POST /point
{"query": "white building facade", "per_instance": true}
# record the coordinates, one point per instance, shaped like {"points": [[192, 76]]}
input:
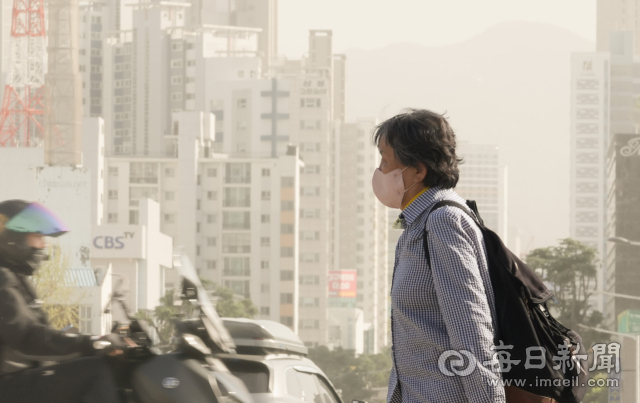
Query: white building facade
{"points": [[484, 180]]}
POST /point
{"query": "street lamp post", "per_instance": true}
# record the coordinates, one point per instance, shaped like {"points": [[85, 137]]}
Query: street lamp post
{"points": [[619, 239]]}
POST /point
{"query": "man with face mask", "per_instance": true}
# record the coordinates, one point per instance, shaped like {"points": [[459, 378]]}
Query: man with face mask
{"points": [[26, 339], [442, 308]]}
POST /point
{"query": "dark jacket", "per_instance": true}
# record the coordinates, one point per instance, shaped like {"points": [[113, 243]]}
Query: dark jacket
{"points": [[25, 335]]}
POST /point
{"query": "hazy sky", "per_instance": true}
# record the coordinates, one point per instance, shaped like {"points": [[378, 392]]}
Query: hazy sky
{"points": [[370, 24]]}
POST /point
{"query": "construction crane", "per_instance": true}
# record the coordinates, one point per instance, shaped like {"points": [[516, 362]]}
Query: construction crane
{"points": [[22, 115], [44, 107]]}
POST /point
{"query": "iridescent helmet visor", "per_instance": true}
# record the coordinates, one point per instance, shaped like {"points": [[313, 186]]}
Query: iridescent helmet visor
{"points": [[36, 218]]}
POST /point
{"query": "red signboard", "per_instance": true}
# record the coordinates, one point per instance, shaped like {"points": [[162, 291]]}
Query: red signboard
{"points": [[342, 284]]}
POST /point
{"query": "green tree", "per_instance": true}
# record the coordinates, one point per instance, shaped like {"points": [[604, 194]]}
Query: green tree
{"points": [[571, 269], [60, 303], [354, 376], [228, 307], [162, 316]]}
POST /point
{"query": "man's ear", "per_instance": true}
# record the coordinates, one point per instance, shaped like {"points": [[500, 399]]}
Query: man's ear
{"points": [[421, 172]]}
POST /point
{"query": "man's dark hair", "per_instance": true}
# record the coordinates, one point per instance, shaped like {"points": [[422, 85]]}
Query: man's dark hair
{"points": [[421, 136]]}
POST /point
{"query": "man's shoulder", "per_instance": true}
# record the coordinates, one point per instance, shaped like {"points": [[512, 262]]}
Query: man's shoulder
{"points": [[7, 278]]}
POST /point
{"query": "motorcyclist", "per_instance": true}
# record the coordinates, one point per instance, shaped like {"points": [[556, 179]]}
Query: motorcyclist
{"points": [[26, 338]]}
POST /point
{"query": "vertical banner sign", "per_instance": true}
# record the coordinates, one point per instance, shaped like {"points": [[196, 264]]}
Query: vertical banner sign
{"points": [[342, 284]]}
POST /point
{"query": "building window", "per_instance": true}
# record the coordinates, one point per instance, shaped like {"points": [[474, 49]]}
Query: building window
{"points": [[169, 218], [310, 235], [176, 63], [212, 172], [112, 218], [211, 195], [265, 195], [309, 302], [286, 228], [310, 147], [264, 310], [264, 264], [176, 80], [239, 287], [310, 102], [266, 172], [238, 173], [236, 220], [309, 280], [265, 241], [265, 287], [169, 172], [286, 251], [237, 197], [265, 218], [309, 257], [286, 298], [310, 213], [168, 196], [286, 205], [133, 217], [587, 187], [309, 324], [211, 264], [287, 181], [286, 275], [237, 266], [144, 172], [310, 191], [211, 218], [286, 320], [211, 241], [113, 195], [242, 103], [587, 202], [311, 169], [176, 96], [176, 46], [236, 243], [113, 171]]}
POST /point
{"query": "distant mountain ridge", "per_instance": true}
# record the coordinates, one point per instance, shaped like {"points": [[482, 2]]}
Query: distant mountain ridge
{"points": [[507, 86]]}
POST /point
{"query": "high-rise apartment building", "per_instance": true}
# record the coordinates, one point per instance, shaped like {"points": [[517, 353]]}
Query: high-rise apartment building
{"points": [[617, 16], [363, 229], [623, 199], [484, 180], [590, 125], [236, 218], [181, 64]]}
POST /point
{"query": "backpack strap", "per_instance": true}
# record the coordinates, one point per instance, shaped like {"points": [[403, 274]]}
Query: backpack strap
{"points": [[471, 205]]}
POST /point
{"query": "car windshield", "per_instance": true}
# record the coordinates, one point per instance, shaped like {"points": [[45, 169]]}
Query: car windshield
{"points": [[254, 374]]}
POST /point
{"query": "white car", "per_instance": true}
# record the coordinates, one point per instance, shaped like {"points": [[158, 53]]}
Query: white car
{"points": [[271, 361]]}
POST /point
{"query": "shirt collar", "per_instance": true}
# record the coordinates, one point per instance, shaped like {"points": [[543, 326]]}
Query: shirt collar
{"points": [[421, 203]]}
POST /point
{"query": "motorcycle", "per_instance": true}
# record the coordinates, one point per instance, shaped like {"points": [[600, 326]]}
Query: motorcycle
{"points": [[188, 371]]}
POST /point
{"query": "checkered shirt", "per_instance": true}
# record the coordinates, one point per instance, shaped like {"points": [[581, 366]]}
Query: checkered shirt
{"points": [[448, 305]]}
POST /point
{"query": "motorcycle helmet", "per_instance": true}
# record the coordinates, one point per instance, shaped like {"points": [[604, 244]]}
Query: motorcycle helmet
{"points": [[18, 218]]}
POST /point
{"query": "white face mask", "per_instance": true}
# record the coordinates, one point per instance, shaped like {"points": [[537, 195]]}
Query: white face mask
{"points": [[389, 187]]}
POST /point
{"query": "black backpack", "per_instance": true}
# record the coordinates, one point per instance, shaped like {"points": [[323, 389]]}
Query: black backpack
{"points": [[524, 321]]}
